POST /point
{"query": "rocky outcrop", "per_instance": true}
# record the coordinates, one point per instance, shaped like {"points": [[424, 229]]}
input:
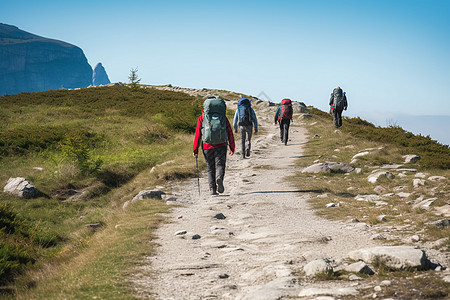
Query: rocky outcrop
{"points": [[21, 187], [99, 77], [31, 63], [397, 257]]}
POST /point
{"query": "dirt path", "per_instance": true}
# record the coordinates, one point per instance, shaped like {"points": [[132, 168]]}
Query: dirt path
{"points": [[268, 235]]}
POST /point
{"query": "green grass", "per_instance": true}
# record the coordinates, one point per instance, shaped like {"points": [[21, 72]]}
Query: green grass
{"points": [[386, 146], [98, 139]]}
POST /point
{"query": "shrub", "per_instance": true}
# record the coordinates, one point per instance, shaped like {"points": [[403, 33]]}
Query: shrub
{"points": [[76, 150]]}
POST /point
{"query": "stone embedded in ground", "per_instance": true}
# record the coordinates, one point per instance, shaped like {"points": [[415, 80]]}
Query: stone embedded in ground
{"points": [[196, 236], [368, 198], [329, 167], [425, 204], [386, 282], [149, 194], [443, 210], [436, 178], [418, 182], [403, 195], [411, 158], [359, 267], [181, 232], [21, 187], [382, 218], [317, 266], [346, 291], [440, 223], [145, 194], [374, 176], [220, 216], [397, 257]]}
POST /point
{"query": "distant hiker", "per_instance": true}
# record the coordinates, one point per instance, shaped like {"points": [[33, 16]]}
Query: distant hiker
{"points": [[338, 102], [245, 117], [283, 115], [213, 131]]}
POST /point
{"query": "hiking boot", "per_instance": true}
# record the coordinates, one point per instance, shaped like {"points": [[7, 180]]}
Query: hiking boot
{"points": [[248, 152], [213, 192], [220, 187]]}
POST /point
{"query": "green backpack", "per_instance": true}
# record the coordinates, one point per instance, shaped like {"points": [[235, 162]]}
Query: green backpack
{"points": [[214, 127]]}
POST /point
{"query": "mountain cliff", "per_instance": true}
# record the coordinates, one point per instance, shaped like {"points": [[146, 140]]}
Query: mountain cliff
{"points": [[100, 77], [31, 63]]}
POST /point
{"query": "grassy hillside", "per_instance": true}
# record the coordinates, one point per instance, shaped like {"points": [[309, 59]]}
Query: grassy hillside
{"points": [[89, 140]]}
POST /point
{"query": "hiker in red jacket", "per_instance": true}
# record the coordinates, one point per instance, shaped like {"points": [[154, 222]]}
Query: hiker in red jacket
{"points": [[215, 152], [283, 115]]}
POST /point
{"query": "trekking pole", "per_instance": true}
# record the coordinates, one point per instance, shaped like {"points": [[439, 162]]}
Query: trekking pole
{"points": [[198, 176]]}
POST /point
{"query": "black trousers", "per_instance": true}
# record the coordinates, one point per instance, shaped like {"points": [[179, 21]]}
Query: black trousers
{"points": [[337, 116], [282, 131], [215, 160]]}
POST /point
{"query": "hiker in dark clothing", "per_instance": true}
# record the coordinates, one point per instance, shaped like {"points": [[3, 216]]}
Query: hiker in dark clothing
{"points": [[283, 116], [338, 102], [215, 152], [245, 117]]}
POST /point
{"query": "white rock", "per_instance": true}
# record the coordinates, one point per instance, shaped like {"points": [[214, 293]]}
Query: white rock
{"points": [[368, 198], [436, 178], [21, 187], [377, 288], [415, 238], [374, 177], [360, 154], [425, 204], [386, 283], [418, 182], [331, 205], [420, 175], [317, 266], [398, 257], [359, 267], [382, 218], [403, 195], [308, 292], [411, 158]]}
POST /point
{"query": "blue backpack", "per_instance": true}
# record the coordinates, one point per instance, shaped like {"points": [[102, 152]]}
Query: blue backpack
{"points": [[244, 112]]}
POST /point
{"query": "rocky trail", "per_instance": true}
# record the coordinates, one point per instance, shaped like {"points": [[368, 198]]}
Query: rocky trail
{"points": [[254, 240]]}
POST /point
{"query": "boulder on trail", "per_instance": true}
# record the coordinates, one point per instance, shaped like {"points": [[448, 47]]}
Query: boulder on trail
{"points": [[329, 167], [397, 257], [21, 187]]}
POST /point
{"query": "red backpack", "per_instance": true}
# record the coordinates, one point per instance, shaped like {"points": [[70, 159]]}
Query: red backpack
{"points": [[286, 109]]}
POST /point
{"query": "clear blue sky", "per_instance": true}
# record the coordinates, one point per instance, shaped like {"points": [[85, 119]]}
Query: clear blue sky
{"points": [[390, 56]]}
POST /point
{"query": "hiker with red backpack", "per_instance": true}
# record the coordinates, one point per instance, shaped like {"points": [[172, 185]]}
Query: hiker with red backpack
{"points": [[245, 117], [338, 103], [283, 116], [214, 133]]}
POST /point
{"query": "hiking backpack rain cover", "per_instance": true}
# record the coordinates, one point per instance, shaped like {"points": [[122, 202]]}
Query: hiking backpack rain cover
{"points": [[244, 112], [286, 109], [214, 127]]}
